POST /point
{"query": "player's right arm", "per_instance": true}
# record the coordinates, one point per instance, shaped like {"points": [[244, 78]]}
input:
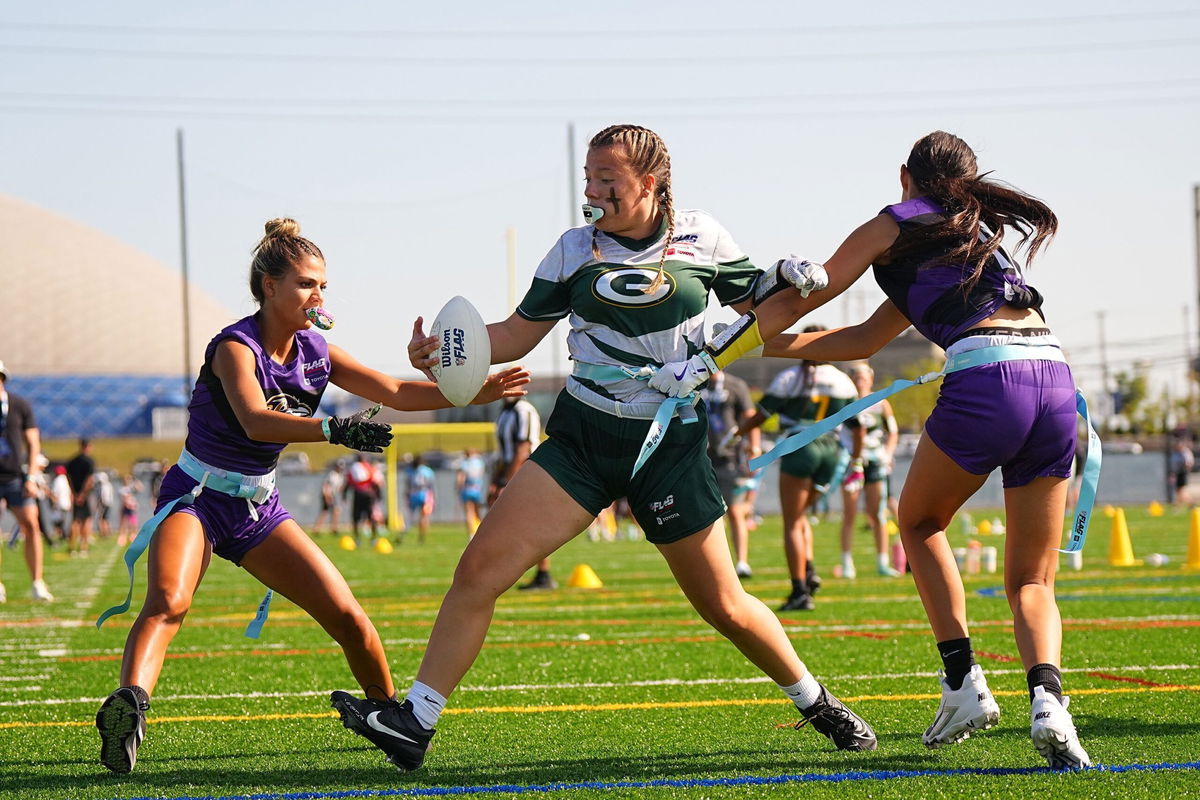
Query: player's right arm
{"points": [[851, 343]]}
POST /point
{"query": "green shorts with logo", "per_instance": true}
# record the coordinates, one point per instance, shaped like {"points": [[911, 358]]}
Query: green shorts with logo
{"points": [[818, 461], [590, 454]]}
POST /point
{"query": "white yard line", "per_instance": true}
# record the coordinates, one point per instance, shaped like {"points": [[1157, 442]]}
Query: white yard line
{"points": [[568, 686]]}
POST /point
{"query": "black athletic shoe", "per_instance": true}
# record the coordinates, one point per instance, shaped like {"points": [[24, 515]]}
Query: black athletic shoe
{"points": [[842, 726], [121, 722], [388, 725], [541, 580], [798, 601], [814, 581]]}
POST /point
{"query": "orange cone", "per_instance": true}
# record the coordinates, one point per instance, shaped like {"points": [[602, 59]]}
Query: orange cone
{"points": [[1193, 553], [1120, 551], [584, 577]]}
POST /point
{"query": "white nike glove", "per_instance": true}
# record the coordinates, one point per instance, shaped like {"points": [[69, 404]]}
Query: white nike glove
{"points": [[681, 378], [807, 276]]}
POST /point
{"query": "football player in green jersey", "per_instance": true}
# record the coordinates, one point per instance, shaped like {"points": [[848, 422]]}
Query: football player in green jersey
{"points": [[635, 283]]}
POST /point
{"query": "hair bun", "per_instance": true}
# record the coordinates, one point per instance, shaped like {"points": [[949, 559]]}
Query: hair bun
{"points": [[282, 227]]}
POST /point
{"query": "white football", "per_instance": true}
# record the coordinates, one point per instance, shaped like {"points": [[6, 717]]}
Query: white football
{"points": [[464, 351]]}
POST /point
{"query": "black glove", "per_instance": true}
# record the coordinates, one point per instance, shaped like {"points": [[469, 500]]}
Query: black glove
{"points": [[357, 433]]}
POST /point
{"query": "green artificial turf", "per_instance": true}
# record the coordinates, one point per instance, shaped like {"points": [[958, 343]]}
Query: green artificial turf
{"points": [[614, 692]]}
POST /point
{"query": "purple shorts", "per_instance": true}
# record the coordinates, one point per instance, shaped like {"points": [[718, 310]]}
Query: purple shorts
{"points": [[1016, 415], [226, 520]]}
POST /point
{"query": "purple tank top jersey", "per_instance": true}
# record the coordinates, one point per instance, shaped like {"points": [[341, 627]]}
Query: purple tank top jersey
{"points": [[927, 288], [214, 434]]}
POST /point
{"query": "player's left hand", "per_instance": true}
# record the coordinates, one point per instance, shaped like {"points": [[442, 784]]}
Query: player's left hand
{"points": [[421, 349], [505, 383], [807, 276], [358, 433], [681, 378]]}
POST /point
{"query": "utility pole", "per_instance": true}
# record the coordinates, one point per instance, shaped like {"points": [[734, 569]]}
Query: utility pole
{"points": [[183, 260], [1107, 406]]}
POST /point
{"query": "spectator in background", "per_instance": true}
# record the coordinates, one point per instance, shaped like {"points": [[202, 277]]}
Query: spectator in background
{"points": [[470, 487], [331, 492], [20, 471], [60, 503], [105, 497], [81, 472], [128, 525], [421, 496], [518, 431], [727, 400], [363, 485], [1182, 461]]}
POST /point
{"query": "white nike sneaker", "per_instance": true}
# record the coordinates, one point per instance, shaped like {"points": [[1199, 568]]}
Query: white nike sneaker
{"points": [[970, 708], [1053, 732], [40, 593]]}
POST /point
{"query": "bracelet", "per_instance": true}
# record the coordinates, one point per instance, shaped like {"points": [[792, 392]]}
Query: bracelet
{"points": [[325, 428]]}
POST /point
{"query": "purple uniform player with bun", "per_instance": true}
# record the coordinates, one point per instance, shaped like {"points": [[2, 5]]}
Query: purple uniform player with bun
{"points": [[938, 258], [259, 388]]}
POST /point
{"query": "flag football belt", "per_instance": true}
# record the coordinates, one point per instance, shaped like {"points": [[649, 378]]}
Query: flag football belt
{"points": [[961, 361], [667, 410], [254, 489]]}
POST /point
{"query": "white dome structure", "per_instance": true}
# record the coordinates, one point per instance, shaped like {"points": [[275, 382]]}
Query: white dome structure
{"points": [[80, 302], [93, 334]]}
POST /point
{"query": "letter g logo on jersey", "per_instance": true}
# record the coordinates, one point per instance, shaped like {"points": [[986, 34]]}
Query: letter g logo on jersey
{"points": [[623, 287]]}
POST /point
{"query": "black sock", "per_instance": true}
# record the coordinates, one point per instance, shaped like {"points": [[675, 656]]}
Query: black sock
{"points": [[799, 587], [957, 660], [1048, 677]]}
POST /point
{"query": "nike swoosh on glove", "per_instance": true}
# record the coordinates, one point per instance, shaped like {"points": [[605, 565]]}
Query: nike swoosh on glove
{"points": [[681, 378]]}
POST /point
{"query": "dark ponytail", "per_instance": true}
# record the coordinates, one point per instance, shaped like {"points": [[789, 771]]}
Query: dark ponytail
{"points": [[943, 167]]}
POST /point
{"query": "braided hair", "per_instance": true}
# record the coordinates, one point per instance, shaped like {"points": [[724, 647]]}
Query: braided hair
{"points": [[280, 247], [647, 155]]}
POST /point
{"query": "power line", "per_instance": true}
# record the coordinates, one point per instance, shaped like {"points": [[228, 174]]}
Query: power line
{"points": [[587, 110], [557, 103], [492, 61], [975, 25]]}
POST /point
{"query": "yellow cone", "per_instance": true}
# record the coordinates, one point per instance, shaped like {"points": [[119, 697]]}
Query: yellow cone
{"points": [[1120, 551], [383, 546], [892, 527], [985, 527], [584, 577], [347, 543], [1110, 512], [1193, 554], [1156, 509]]}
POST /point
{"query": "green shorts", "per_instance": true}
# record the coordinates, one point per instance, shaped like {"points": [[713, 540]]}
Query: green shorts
{"points": [[873, 472], [818, 461], [590, 454]]}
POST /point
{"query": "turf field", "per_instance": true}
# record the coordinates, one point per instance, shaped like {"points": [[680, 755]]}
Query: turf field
{"points": [[613, 692]]}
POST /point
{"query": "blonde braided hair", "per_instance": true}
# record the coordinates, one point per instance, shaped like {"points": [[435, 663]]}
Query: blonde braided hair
{"points": [[647, 155], [280, 247]]}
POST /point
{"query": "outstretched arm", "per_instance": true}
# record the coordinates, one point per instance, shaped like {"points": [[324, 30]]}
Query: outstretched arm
{"points": [[848, 263], [363, 381], [842, 344]]}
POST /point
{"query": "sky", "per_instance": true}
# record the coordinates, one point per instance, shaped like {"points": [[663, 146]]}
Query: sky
{"points": [[410, 139]]}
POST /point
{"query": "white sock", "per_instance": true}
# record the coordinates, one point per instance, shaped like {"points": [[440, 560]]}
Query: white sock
{"points": [[804, 692], [847, 559], [427, 704], [883, 560]]}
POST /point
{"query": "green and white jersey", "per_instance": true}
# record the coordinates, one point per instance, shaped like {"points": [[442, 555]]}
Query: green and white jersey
{"points": [[613, 323], [879, 426], [805, 394]]}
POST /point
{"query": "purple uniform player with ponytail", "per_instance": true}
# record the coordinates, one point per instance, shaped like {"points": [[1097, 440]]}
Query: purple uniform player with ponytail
{"points": [[937, 256], [259, 388]]}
